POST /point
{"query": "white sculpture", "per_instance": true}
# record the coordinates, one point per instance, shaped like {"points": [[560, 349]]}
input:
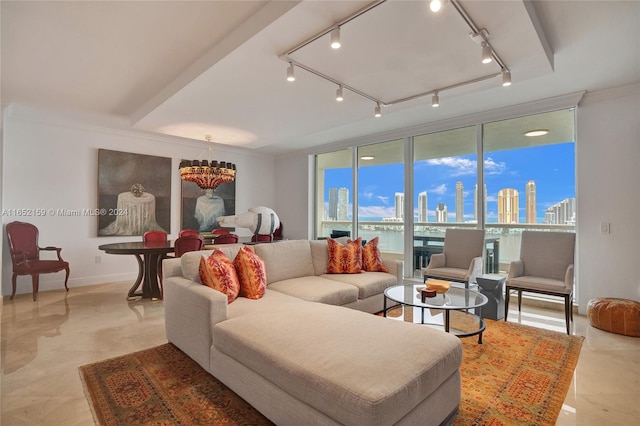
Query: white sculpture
{"points": [[260, 220]]}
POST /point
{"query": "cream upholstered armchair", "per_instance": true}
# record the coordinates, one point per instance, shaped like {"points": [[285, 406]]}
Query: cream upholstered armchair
{"points": [[545, 267], [461, 260]]}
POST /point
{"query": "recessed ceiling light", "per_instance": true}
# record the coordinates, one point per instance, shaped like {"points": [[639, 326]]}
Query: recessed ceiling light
{"points": [[537, 132], [367, 157]]}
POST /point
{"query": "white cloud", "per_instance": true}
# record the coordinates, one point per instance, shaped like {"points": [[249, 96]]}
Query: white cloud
{"points": [[368, 195], [440, 189], [492, 167], [459, 166], [383, 199]]}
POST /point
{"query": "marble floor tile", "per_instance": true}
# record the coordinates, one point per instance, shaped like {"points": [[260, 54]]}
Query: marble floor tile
{"points": [[43, 343]]}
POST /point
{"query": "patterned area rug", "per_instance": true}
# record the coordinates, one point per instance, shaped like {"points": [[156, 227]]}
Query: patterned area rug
{"points": [[519, 375]]}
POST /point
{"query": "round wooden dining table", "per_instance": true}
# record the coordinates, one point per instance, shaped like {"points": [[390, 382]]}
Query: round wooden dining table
{"points": [[148, 254]]}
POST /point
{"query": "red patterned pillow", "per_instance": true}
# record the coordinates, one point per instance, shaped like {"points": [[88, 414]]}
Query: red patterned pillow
{"points": [[344, 259], [251, 273], [371, 257], [218, 272]]}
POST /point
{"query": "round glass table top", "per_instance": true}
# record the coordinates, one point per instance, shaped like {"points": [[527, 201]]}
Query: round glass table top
{"points": [[454, 298]]}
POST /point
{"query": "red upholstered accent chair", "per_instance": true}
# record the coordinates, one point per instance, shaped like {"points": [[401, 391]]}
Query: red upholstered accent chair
{"points": [[225, 239], [25, 256], [154, 237], [185, 232], [262, 238], [220, 231]]}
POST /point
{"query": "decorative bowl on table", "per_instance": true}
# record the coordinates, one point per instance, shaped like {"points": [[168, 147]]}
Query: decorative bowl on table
{"points": [[440, 286]]}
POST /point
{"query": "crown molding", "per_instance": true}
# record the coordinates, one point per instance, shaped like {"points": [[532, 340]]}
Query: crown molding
{"points": [[611, 93]]}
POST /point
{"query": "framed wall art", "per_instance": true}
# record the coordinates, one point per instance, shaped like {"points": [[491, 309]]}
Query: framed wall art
{"points": [[134, 193], [201, 207]]}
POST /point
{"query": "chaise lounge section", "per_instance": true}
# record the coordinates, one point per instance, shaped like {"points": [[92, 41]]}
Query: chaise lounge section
{"points": [[300, 357]]}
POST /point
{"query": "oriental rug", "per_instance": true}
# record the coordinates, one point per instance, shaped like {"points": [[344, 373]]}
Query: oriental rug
{"points": [[520, 375]]}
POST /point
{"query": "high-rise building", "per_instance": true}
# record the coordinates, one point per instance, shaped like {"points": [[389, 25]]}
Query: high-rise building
{"points": [[338, 204], [562, 213], [422, 207], [332, 214], [459, 202], [475, 203], [508, 204], [441, 213], [343, 204], [399, 205], [530, 202]]}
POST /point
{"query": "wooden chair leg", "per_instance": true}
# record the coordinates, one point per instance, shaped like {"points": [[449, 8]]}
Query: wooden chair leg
{"points": [[567, 313], [519, 300], [506, 303], [13, 285], [66, 278], [35, 283]]}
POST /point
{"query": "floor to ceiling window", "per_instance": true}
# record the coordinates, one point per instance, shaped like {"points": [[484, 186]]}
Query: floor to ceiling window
{"points": [[529, 175], [527, 181], [381, 195], [334, 192], [444, 183]]}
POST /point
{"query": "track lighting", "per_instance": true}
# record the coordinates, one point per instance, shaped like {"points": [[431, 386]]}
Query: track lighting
{"points": [[339, 97], [486, 53], [290, 76], [435, 100], [335, 38], [376, 112], [506, 78], [435, 5]]}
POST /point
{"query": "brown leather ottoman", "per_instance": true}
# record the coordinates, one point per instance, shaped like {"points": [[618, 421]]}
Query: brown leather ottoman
{"points": [[620, 316]]}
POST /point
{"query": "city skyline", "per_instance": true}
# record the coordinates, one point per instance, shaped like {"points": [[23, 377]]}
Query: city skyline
{"points": [[551, 168]]}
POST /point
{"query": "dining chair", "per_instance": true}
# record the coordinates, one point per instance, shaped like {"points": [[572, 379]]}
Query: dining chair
{"points": [[461, 259], [261, 238], [220, 231], [185, 232], [226, 239], [154, 237], [187, 243], [277, 234], [545, 267], [25, 256]]}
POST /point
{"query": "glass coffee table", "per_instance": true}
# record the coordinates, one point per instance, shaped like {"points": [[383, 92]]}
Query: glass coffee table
{"points": [[461, 308]]}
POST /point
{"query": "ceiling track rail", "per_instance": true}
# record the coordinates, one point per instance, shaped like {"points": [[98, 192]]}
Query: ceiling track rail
{"points": [[475, 32]]}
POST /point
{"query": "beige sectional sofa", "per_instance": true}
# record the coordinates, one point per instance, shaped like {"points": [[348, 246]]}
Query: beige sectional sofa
{"points": [[299, 357]]}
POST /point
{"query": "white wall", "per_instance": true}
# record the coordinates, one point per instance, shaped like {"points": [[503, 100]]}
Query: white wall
{"points": [[608, 190], [292, 195], [51, 161]]}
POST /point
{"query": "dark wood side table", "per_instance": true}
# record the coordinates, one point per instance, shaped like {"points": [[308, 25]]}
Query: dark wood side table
{"points": [[147, 254]]}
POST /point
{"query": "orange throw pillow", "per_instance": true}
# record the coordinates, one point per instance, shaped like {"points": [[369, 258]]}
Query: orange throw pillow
{"points": [[344, 259], [251, 273], [218, 272], [371, 260]]}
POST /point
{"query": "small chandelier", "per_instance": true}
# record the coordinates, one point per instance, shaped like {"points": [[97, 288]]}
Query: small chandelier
{"points": [[207, 174]]}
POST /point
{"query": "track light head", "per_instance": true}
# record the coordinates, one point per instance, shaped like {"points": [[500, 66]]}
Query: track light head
{"points": [[339, 96], [376, 112], [290, 75], [506, 78], [435, 5], [435, 100], [486, 53], [335, 38]]}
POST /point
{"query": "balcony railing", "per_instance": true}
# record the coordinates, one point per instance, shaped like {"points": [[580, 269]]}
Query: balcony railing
{"points": [[503, 240]]}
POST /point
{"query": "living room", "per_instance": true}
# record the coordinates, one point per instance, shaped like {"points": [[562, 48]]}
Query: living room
{"points": [[50, 149]]}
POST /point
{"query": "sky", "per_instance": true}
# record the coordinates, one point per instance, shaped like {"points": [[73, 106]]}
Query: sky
{"points": [[551, 167]]}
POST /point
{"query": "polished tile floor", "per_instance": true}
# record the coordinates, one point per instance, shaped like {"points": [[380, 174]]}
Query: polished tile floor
{"points": [[44, 343]]}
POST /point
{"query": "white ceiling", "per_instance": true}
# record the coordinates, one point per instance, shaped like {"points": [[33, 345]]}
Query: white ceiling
{"points": [[190, 68]]}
